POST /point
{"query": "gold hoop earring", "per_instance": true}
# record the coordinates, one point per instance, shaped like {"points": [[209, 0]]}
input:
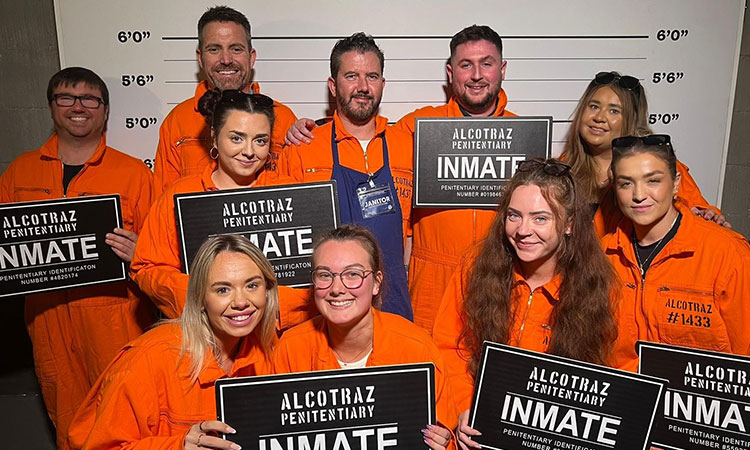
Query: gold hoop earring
{"points": [[211, 152]]}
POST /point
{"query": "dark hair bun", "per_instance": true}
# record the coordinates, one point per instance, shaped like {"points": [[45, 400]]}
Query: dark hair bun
{"points": [[207, 103]]}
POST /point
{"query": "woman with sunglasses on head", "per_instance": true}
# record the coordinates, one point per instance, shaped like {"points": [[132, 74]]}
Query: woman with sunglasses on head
{"points": [[615, 105], [539, 281], [351, 331], [158, 392], [686, 280], [241, 131]]}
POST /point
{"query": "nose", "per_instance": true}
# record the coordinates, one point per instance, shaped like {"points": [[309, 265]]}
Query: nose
{"points": [[240, 301], [362, 85], [476, 73], [639, 192], [524, 227], [337, 287], [226, 57], [78, 104], [600, 116]]}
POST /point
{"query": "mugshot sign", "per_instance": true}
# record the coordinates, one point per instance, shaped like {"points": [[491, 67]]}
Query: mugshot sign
{"points": [[57, 244], [369, 408], [707, 403], [524, 399], [280, 220], [465, 162]]}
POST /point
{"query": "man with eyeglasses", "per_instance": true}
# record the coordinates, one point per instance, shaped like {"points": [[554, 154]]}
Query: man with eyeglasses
{"points": [[75, 332], [226, 57]]}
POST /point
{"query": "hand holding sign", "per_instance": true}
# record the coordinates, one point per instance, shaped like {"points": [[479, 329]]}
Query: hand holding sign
{"points": [[203, 436], [464, 432], [122, 242]]}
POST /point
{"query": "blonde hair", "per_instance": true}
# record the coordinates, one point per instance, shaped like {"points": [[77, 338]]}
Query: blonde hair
{"points": [[197, 334]]}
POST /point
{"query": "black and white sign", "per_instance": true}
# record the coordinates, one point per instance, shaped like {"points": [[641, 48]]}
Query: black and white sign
{"points": [[57, 244], [370, 408], [524, 399], [465, 162], [707, 403], [281, 220]]}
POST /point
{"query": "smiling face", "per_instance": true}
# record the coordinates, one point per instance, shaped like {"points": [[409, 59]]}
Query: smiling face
{"points": [[645, 189], [358, 86], [243, 144], [225, 57], [531, 228], [340, 306], [77, 121], [476, 73], [601, 120], [235, 297]]}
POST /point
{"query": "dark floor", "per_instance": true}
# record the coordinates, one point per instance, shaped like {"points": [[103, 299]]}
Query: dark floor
{"points": [[24, 423]]}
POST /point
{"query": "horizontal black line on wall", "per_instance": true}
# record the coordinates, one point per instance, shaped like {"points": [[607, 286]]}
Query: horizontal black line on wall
{"points": [[532, 37], [551, 58]]}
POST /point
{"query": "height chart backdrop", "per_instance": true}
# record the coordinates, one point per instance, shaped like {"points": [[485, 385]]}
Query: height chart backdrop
{"points": [[685, 52]]}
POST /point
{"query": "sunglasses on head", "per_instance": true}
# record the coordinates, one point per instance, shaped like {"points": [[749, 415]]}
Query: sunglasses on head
{"points": [[233, 95], [651, 139], [624, 81], [553, 168]]}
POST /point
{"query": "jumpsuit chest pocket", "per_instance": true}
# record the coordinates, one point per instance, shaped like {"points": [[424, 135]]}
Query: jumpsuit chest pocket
{"points": [[29, 194], [688, 316], [194, 154]]}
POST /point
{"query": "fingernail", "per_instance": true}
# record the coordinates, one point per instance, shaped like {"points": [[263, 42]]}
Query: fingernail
{"points": [[231, 430], [424, 430], [235, 447]]}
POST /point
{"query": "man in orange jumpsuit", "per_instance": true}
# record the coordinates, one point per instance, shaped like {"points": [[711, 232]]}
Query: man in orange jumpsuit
{"points": [[440, 236], [75, 332], [226, 57], [371, 162]]}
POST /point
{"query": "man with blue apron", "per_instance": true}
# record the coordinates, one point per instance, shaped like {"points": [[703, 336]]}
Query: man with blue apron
{"points": [[345, 149]]}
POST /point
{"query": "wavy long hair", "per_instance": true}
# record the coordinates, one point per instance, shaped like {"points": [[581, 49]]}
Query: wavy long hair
{"points": [[583, 323], [197, 335], [576, 152]]}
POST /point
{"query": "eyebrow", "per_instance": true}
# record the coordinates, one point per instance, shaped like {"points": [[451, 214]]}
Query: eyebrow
{"points": [[350, 266], [532, 213], [227, 283]]}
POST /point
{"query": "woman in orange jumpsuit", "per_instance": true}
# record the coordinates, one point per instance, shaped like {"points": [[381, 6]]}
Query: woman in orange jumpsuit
{"points": [[615, 105], [685, 280], [159, 390], [241, 129], [540, 281], [352, 332]]}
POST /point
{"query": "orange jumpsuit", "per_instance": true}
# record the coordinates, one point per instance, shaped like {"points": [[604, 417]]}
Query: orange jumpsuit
{"points": [[185, 140], [441, 236], [156, 263], [696, 293], [531, 329], [76, 332], [314, 161], [395, 340], [145, 400], [608, 214]]}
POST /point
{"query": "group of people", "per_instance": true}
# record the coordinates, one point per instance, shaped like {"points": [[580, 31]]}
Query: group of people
{"points": [[584, 255]]}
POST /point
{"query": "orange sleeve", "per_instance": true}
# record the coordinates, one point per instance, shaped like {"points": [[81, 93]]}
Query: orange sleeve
{"points": [[406, 123], [689, 191], [7, 182], [145, 197], [121, 409], [156, 263], [167, 159], [295, 306], [733, 299], [446, 333]]}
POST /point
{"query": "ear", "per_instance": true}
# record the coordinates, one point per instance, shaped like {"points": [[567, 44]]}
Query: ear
{"points": [[198, 57], [503, 66], [677, 180], [253, 55], [378, 277], [332, 86], [449, 72]]}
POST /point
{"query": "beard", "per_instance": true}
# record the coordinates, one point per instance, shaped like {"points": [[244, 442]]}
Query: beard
{"points": [[238, 81], [359, 112], [478, 104]]}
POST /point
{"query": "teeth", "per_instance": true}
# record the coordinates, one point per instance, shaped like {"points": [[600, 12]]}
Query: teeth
{"points": [[78, 119], [341, 303], [240, 318]]}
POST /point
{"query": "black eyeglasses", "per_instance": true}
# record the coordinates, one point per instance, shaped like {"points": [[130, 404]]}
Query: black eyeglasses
{"points": [[351, 278], [624, 81], [554, 168], [87, 101], [651, 139], [234, 95]]}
